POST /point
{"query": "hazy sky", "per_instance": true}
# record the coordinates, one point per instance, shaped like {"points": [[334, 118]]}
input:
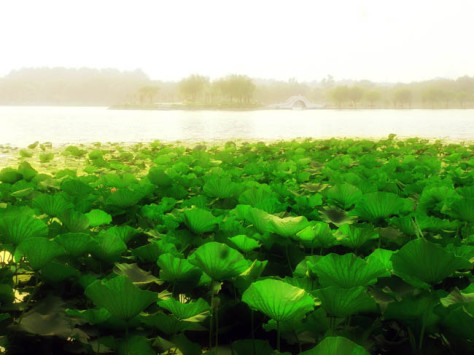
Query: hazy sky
{"points": [[378, 40]]}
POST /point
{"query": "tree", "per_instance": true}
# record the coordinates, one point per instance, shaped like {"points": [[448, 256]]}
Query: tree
{"points": [[239, 88], [373, 96], [402, 97], [356, 93], [147, 94], [340, 95], [192, 88]]}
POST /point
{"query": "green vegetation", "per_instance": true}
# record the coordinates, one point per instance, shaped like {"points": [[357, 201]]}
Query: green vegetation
{"points": [[312, 247]]}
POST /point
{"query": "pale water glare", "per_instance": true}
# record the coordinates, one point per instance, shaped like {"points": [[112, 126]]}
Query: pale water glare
{"points": [[21, 126]]}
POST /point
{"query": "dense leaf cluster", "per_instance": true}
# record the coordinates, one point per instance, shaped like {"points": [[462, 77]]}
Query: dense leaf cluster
{"points": [[318, 246]]}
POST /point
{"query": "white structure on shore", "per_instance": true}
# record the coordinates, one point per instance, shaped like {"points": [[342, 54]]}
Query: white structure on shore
{"points": [[298, 102]]}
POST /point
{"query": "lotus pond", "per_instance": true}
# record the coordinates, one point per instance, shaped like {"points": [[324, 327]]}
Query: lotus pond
{"points": [[312, 247]]}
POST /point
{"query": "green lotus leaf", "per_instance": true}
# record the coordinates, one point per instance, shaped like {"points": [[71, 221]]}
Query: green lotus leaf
{"points": [[252, 347], [278, 300], [413, 309], [463, 209], [174, 269], [158, 177], [124, 233], [200, 221], [422, 263], [261, 198], [98, 218], [120, 297], [151, 251], [194, 311], [288, 226], [55, 272], [92, 316], [317, 235], [76, 188], [40, 251], [221, 187], [260, 219], [354, 237], [336, 345], [168, 324], [135, 344], [123, 198], [382, 257], [10, 176], [74, 221], [376, 206], [343, 302], [460, 321], [27, 171], [75, 244], [434, 198], [16, 228], [346, 271], [109, 247], [458, 297], [137, 275], [255, 270], [22, 193], [244, 243], [219, 261], [344, 195], [52, 205]]}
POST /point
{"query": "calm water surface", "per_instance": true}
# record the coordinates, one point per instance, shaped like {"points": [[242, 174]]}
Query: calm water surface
{"points": [[20, 126]]}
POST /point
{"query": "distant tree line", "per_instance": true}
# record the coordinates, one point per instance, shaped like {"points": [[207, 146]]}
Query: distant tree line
{"points": [[61, 86]]}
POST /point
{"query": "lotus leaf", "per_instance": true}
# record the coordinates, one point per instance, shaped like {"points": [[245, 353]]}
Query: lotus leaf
{"points": [[336, 345], [354, 237], [168, 324], [137, 275], [376, 206], [200, 221], [336, 216], [55, 272], [76, 188], [98, 218], [464, 209], [219, 261], [135, 344], [40, 251], [288, 226], [159, 177], [74, 221], [52, 205], [252, 347], [151, 251], [460, 321], [317, 235], [221, 187], [174, 269], [92, 316], [120, 297], [191, 311], [344, 195], [124, 233], [123, 198], [17, 228], [346, 271], [261, 198], [343, 302], [278, 300], [75, 244], [244, 243], [109, 247], [422, 263], [10, 176]]}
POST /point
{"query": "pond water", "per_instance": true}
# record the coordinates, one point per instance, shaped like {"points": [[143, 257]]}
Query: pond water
{"points": [[20, 126]]}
